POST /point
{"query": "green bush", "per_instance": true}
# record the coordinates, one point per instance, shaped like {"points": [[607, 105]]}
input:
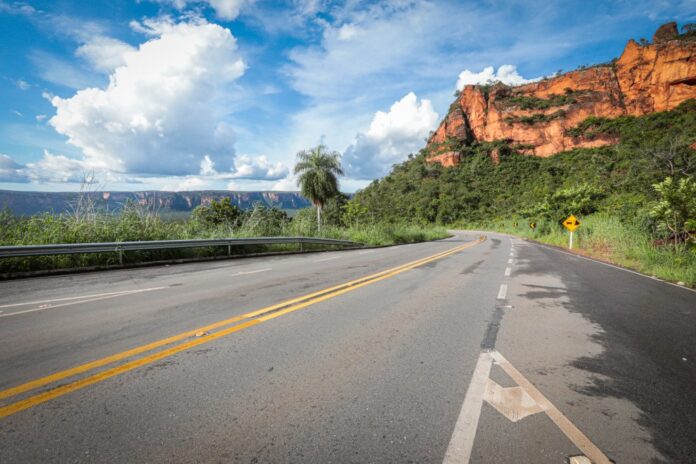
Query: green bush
{"points": [[218, 212], [529, 102], [536, 118], [675, 209], [579, 200]]}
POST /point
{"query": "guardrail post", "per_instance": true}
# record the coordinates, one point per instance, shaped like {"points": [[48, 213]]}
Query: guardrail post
{"points": [[229, 250], [301, 245], [120, 255]]}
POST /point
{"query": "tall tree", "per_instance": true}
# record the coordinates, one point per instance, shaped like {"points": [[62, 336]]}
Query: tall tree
{"points": [[318, 170]]}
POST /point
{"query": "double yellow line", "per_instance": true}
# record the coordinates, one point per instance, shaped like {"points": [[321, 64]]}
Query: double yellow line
{"points": [[235, 325]]}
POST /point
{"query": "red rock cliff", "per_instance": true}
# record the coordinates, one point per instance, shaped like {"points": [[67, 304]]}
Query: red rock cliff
{"points": [[535, 117]]}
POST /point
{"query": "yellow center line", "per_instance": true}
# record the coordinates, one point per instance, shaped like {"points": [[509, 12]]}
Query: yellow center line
{"points": [[166, 341], [261, 315]]}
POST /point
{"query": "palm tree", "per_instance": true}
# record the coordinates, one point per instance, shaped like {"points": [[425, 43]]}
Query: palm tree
{"points": [[318, 170]]}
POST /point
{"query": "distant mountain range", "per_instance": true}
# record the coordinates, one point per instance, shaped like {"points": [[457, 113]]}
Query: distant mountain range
{"points": [[29, 203]]}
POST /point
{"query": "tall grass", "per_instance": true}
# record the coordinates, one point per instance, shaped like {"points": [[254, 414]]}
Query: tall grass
{"points": [[608, 238], [139, 224]]}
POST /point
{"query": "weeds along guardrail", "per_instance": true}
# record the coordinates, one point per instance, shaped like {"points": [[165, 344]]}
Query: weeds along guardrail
{"points": [[121, 247]]}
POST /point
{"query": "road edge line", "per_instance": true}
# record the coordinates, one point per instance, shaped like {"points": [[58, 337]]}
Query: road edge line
{"points": [[588, 258]]}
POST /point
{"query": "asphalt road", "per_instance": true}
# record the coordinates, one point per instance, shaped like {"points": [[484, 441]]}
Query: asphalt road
{"points": [[490, 350]]}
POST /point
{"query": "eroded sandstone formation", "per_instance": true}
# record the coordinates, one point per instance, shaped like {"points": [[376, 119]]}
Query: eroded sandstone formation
{"points": [[537, 118]]}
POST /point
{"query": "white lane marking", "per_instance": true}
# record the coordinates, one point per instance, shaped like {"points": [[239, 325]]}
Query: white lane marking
{"points": [[578, 438], [326, 259], [502, 292], [507, 271], [614, 266], [49, 306], [366, 252], [96, 295], [510, 261], [462, 442], [252, 272]]}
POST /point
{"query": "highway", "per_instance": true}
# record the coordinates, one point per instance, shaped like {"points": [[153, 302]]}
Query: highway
{"points": [[479, 348]]}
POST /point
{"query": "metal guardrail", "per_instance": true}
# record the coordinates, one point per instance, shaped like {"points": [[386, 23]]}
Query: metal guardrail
{"points": [[120, 247]]}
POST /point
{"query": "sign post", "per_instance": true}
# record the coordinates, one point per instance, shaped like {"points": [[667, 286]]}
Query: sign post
{"points": [[571, 223]]}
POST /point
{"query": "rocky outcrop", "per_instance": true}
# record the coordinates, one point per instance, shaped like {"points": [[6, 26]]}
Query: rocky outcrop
{"points": [[537, 118], [447, 159], [657, 77]]}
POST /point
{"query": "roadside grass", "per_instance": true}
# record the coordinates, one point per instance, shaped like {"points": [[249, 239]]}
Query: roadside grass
{"points": [[386, 234], [607, 238], [141, 225]]}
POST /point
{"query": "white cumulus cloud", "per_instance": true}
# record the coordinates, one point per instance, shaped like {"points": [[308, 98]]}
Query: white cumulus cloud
{"points": [[246, 167], [390, 138], [507, 74], [224, 9], [104, 53], [228, 9], [57, 168], [163, 110]]}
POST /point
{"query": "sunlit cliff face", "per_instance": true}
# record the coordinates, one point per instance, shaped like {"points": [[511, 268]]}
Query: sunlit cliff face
{"points": [[536, 118]]}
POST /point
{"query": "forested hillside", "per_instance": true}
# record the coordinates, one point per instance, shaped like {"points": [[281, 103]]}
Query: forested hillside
{"points": [[616, 179]]}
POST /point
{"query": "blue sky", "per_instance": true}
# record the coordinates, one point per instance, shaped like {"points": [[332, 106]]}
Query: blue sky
{"points": [[221, 94]]}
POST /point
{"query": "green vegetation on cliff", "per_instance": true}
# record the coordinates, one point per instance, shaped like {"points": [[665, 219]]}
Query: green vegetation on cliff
{"points": [[530, 102], [614, 182]]}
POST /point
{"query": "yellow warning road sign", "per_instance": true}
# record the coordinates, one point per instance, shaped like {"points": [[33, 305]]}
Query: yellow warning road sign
{"points": [[571, 223], [532, 225]]}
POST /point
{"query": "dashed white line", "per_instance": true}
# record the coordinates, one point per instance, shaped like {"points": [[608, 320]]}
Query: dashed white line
{"points": [[366, 252], [510, 261], [587, 258], [502, 292], [507, 271]]}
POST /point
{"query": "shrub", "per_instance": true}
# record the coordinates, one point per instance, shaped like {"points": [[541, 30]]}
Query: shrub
{"points": [[222, 212], [675, 209]]}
